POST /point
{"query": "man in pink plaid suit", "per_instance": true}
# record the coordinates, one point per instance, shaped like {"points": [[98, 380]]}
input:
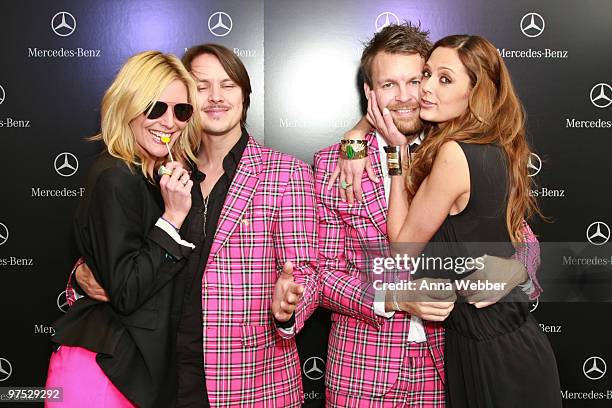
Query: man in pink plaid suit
{"points": [[378, 357], [251, 281]]}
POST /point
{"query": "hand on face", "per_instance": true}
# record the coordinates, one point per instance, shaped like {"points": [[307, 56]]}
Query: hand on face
{"points": [[383, 121]]}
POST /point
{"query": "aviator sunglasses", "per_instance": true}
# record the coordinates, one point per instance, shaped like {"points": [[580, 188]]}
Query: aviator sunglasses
{"points": [[182, 111]]}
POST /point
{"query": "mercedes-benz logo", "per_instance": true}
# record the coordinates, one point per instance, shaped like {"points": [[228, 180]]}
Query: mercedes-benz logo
{"points": [[2, 94], [598, 233], [6, 369], [314, 368], [385, 19], [534, 305], [63, 24], [594, 368], [534, 165], [220, 24], [532, 24], [66, 164], [62, 301], [601, 95], [3, 234]]}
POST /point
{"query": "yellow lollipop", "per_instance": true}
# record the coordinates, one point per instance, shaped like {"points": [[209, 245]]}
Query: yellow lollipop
{"points": [[166, 140]]}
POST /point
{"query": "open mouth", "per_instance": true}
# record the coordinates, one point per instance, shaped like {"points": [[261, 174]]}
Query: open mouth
{"points": [[159, 136]]}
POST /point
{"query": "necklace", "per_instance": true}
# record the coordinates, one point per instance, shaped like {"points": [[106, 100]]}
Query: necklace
{"points": [[205, 213]]}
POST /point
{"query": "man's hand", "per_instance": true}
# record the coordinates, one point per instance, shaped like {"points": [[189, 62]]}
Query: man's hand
{"points": [[496, 270], [286, 295], [383, 122], [431, 299], [432, 311], [89, 284]]}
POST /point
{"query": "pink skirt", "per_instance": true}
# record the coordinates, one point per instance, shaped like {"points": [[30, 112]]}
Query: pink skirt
{"points": [[84, 384]]}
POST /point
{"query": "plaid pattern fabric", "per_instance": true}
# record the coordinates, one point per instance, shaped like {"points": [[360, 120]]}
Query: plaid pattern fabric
{"points": [[269, 217], [70, 292], [529, 255], [418, 386], [367, 354]]}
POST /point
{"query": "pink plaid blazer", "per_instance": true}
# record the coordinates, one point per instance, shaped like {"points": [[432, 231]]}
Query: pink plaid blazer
{"points": [[365, 350], [268, 218]]}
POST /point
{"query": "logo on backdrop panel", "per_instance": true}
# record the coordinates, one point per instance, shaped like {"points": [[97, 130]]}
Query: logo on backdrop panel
{"points": [[598, 233], [601, 95], [4, 234], [63, 24], [62, 302], [2, 94], [594, 368], [534, 305], [6, 369], [534, 165], [220, 24], [314, 368], [532, 25], [385, 19], [66, 164]]}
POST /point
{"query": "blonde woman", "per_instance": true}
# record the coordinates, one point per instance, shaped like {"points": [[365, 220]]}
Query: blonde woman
{"points": [[121, 353]]}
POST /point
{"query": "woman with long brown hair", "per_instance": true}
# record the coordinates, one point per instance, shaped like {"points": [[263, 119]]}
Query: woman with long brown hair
{"points": [[467, 186], [469, 183]]}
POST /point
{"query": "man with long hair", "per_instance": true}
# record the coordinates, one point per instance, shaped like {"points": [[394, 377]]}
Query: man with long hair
{"points": [[252, 276]]}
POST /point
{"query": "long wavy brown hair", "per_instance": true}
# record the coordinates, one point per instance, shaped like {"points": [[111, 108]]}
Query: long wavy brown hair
{"points": [[494, 115]]}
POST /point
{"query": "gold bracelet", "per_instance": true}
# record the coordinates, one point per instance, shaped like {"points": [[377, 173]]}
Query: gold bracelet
{"points": [[394, 160], [353, 149]]}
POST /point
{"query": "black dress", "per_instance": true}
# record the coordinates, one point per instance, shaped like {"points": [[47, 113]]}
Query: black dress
{"points": [[496, 356]]}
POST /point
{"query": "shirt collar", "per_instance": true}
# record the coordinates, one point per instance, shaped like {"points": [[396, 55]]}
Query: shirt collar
{"points": [[382, 142], [230, 161]]}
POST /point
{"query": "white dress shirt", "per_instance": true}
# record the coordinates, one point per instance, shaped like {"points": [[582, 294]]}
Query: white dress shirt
{"points": [[416, 332]]}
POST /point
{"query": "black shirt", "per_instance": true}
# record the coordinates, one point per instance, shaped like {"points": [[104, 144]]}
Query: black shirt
{"points": [[199, 228]]}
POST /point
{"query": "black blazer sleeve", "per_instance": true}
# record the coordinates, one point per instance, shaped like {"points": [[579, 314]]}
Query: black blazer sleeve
{"points": [[131, 258]]}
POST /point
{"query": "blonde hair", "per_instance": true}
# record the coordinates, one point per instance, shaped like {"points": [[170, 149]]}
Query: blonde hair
{"points": [[494, 115], [140, 81]]}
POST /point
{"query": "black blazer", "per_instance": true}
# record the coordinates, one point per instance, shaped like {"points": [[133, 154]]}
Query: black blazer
{"points": [[140, 267]]}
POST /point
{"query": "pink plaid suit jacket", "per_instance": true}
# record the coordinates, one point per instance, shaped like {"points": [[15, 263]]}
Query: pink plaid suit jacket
{"points": [[269, 217], [365, 351]]}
